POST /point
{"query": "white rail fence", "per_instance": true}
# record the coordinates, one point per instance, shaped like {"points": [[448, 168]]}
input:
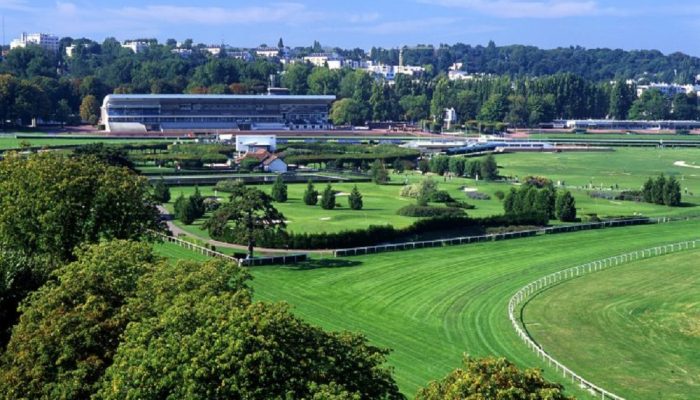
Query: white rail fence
{"points": [[283, 259], [554, 278]]}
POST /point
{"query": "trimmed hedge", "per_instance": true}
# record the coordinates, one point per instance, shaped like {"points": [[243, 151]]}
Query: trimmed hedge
{"points": [[374, 235], [413, 210]]}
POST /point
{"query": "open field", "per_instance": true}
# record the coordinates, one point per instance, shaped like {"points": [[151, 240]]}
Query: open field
{"points": [[641, 321], [613, 136], [433, 305]]}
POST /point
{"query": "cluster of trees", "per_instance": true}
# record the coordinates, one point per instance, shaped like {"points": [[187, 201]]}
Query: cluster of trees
{"points": [[519, 60], [662, 190], [484, 168], [101, 316], [189, 209], [538, 196], [119, 322]]}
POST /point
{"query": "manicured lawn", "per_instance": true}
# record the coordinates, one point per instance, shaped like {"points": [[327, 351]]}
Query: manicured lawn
{"points": [[633, 329], [431, 306]]}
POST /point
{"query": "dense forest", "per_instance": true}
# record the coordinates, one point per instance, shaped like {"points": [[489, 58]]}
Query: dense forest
{"points": [[523, 86]]}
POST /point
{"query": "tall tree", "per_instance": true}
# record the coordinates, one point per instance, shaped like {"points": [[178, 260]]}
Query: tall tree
{"points": [[251, 213], [310, 195], [566, 207], [621, 98], [489, 168], [70, 328], [90, 110], [328, 198], [492, 378], [355, 199], [279, 190]]}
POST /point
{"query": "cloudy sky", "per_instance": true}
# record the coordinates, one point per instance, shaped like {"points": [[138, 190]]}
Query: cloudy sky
{"points": [[667, 25]]}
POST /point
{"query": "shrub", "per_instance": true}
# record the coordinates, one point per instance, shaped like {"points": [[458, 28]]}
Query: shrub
{"points": [[460, 204], [328, 198], [440, 196], [380, 175], [161, 191], [355, 199], [478, 196], [499, 194], [279, 190], [566, 207], [310, 195], [229, 185], [211, 204], [430, 211]]}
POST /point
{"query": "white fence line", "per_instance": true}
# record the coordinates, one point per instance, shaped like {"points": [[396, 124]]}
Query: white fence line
{"points": [[284, 259], [355, 251], [594, 266]]}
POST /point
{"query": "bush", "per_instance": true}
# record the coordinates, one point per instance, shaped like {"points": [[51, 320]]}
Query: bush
{"points": [[440, 196], [478, 196], [566, 207], [310, 195], [161, 192], [211, 204], [430, 211], [460, 204], [355, 199], [279, 190], [229, 186], [499, 194], [328, 198]]}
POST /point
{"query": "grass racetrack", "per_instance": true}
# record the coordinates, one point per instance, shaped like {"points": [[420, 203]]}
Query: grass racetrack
{"points": [[431, 306], [632, 329]]}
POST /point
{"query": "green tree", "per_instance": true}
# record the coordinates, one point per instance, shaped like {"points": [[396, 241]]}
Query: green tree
{"points": [[651, 105], [648, 191], [415, 107], [295, 78], [63, 112], [323, 81], [328, 198], [161, 191], [90, 109], [457, 165], [489, 168], [492, 378], [50, 203], [310, 195], [566, 207], [251, 213], [657, 190], [279, 190], [494, 109], [423, 166], [355, 199], [70, 328], [441, 98], [380, 175], [672, 192], [203, 337], [621, 98], [347, 112], [439, 164]]}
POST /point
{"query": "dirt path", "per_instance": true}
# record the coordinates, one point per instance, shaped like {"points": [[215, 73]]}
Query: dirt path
{"points": [[685, 164]]}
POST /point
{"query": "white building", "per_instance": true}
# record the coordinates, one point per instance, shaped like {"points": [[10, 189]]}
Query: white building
{"points": [[389, 72], [248, 143], [46, 41], [323, 59], [267, 52], [669, 89], [71, 49], [136, 46]]}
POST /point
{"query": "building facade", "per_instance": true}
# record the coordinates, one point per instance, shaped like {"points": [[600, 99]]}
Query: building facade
{"points": [[46, 41], [214, 113]]}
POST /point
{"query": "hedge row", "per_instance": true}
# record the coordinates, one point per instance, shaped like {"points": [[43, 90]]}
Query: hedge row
{"points": [[374, 235], [413, 210]]}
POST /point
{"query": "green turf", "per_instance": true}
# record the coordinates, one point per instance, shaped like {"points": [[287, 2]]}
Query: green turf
{"points": [[633, 329], [433, 305], [172, 251]]}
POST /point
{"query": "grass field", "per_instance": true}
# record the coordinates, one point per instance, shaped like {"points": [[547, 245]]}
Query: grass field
{"points": [[626, 168], [641, 321], [431, 306]]}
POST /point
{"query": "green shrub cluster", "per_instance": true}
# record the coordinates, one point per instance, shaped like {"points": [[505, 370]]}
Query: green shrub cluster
{"points": [[374, 235], [662, 191], [412, 210]]}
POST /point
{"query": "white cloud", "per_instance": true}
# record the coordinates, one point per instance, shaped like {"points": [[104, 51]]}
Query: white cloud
{"points": [[524, 9], [281, 12]]}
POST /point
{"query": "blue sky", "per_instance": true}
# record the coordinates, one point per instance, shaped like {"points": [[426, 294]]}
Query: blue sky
{"points": [[669, 26]]}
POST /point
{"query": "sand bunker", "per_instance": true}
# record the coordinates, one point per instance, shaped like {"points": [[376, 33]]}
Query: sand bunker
{"points": [[685, 164]]}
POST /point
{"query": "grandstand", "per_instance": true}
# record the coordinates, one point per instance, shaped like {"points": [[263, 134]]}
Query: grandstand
{"points": [[143, 113]]}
